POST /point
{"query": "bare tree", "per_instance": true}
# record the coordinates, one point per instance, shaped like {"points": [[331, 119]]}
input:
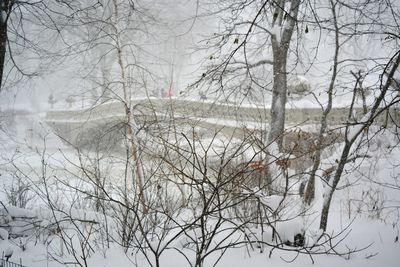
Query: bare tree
{"points": [[20, 23], [6, 7], [114, 39], [342, 34], [310, 188], [354, 131], [285, 22], [266, 30]]}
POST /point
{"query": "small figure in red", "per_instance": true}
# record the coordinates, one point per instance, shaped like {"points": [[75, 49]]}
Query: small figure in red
{"points": [[169, 93]]}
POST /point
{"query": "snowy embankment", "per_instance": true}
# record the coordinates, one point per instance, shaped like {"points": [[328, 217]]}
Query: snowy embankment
{"points": [[364, 217]]}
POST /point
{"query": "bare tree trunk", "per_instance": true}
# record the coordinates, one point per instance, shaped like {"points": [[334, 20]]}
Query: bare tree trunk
{"points": [[309, 193], [279, 90], [280, 48], [131, 123], [336, 179], [5, 7], [132, 138]]}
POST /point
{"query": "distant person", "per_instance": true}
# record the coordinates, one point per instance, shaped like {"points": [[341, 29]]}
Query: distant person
{"points": [[169, 93]]}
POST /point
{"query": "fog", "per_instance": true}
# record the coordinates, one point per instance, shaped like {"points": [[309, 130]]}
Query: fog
{"points": [[168, 49]]}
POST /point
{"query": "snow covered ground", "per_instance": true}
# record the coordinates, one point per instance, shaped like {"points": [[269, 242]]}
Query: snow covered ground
{"points": [[365, 214]]}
